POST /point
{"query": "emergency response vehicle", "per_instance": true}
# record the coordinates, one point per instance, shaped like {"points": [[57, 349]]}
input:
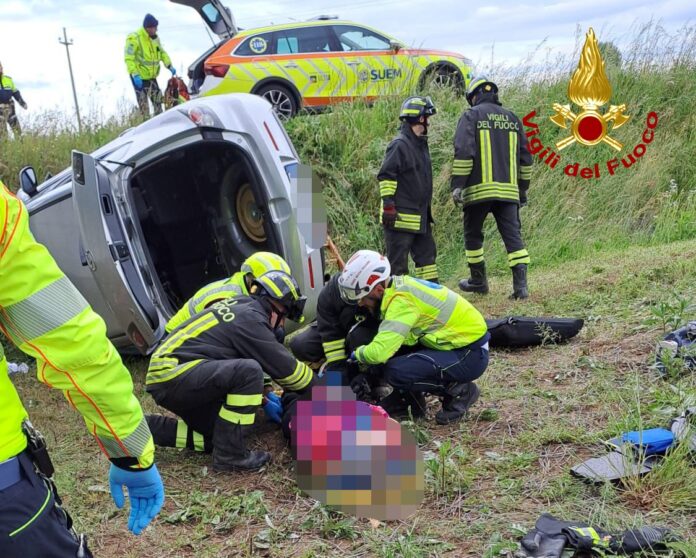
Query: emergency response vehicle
{"points": [[315, 63], [176, 203]]}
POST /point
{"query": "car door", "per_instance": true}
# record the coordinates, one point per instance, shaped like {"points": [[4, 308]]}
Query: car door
{"points": [[372, 64], [107, 254], [217, 17]]}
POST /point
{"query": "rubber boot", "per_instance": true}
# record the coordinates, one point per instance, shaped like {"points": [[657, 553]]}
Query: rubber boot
{"points": [[398, 402], [230, 452], [477, 283], [456, 402], [519, 282]]}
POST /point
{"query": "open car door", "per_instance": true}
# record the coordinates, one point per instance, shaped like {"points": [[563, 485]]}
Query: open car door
{"points": [[107, 254], [216, 16]]}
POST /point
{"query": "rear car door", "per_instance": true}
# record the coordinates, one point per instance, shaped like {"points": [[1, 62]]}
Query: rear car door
{"points": [[105, 251]]}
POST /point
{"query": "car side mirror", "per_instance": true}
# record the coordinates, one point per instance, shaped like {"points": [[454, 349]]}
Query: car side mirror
{"points": [[395, 46], [27, 180]]}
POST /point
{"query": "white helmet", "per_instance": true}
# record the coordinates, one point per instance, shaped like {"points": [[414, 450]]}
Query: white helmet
{"points": [[363, 272]]}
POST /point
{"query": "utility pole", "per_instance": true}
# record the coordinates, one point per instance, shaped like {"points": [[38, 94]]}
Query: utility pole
{"points": [[68, 44]]}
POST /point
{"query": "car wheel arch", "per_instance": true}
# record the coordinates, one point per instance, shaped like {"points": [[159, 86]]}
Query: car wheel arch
{"points": [[282, 82], [441, 65]]}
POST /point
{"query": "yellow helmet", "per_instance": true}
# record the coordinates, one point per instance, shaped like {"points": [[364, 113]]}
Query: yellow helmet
{"points": [[262, 262]]}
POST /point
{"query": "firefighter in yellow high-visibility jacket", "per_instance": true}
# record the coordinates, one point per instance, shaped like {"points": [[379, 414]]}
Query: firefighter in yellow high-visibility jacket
{"points": [[43, 314], [143, 55]]}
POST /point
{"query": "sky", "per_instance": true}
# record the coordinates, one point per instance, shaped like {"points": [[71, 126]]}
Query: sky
{"points": [[501, 32]]}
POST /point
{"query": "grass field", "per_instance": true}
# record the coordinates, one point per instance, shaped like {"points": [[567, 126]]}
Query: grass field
{"points": [[619, 252]]}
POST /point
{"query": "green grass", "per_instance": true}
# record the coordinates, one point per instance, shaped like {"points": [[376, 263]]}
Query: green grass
{"points": [[619, 252]]}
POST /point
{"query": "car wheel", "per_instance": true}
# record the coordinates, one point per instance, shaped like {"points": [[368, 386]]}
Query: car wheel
{"points": [[281, 98], [442, 78], [250, 215]]}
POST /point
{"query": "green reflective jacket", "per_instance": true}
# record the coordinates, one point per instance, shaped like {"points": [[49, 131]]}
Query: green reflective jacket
{"points": [[144, 54], [416, 311], [204, 297], [43, 314]]}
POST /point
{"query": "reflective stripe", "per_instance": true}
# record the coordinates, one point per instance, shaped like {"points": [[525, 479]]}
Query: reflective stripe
{"points": [[197, 326], [328, 345], [427, 272], [166, 374], [474, 256], [486, 163], [299, 379], [444, 307], [387, 188], [519, 257], [513, 156], [235, 400], [199, 303], [292, 288], [135, 443], [236, 418], [396, 327], [45, 310], [462, 167], [199, 441], [525, 172], [35, 516], [491, 190], [181, 434]]}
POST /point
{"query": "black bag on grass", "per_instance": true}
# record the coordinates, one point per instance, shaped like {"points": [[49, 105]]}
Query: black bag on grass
{"points": [[520, 331]]}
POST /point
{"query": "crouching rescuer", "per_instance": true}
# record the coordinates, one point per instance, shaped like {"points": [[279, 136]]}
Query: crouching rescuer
{"points": [[490, 174], [430, 339], [210, 372]]}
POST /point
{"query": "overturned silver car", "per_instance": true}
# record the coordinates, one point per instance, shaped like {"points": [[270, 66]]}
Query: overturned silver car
{"points": [[175, 203]]}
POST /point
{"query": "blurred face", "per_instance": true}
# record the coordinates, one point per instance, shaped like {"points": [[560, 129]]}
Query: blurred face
{"points": [[152, 31], [420, 128]]}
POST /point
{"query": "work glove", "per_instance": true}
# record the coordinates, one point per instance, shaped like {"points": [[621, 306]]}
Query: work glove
{"points": [[389, 214], [273, 407], [145, 490], [523, 199], [361, 386], [537, 544], [645, 538], [352, 359], [172, 70], [138, 82], [457, 196], [23, 105]]}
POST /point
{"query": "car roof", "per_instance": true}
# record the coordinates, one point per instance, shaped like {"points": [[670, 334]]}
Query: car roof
{"points": [[296, 24]]}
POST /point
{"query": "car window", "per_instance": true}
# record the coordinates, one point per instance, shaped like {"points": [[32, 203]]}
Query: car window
{"points": [[256, 45], [303, 40], [352, 38]]}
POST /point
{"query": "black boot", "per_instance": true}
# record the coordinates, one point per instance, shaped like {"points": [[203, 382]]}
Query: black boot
{"points": [[478, 283], [398, 402], [456, 403], [230, 452], [519, 282]]}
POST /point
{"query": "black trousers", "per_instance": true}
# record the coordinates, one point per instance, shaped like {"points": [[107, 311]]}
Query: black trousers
{"points": [[307, 346], [207, 390], [8, 115], [421, 247], [507, 217], [152, 91], [32, 522]]}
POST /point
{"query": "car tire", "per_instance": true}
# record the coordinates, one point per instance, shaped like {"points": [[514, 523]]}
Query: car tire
{"points": [[281, 98], [443, 77]]}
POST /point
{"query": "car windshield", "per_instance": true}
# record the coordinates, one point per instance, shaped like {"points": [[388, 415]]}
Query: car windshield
{"points": [[358, 38]]}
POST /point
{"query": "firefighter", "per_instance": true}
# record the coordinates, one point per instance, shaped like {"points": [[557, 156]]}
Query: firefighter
{"points": [[491, 172], [238, 284], [406, 189], [143, 55], [430, 339], [335, 333], [209, 371], [43, 314], [8, 94]]}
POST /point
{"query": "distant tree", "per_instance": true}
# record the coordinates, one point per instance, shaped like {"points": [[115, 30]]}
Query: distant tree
{"points": [[611, 55]]}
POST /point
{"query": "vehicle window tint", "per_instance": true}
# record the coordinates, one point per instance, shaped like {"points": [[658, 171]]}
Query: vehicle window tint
{"points": [[358, 38], [211, 13], [303, 39], [256, 45]]}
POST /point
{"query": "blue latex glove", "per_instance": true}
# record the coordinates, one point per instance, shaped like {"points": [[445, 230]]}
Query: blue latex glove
{"points": [[352, 358], [146, 493], [138, 82], [172, 70], [273, 407]]}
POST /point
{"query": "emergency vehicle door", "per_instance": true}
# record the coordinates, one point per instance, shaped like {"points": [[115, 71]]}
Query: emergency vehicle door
{"points": [[217, 17], [107, 254]]}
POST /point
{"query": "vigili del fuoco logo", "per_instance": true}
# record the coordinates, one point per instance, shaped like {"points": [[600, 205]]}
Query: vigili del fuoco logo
{"points": [[589, 89]]}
